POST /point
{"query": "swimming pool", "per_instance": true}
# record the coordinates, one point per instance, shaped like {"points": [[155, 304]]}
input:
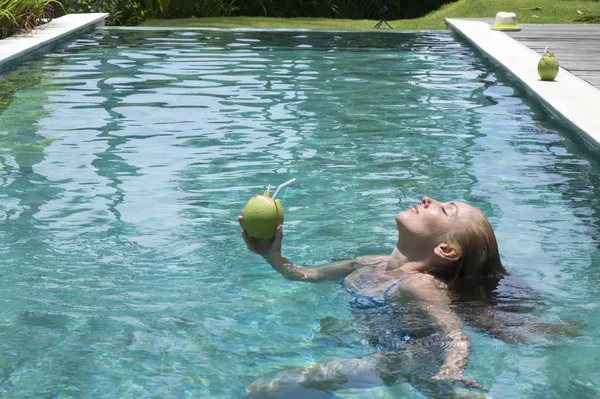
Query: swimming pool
{"points": [[127, 155]]}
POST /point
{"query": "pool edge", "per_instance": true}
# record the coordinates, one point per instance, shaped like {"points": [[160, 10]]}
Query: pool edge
{"points": [[19, 46], [569, 97]]}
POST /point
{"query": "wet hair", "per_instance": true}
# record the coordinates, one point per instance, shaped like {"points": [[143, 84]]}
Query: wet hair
{"points": [[478, 248]]}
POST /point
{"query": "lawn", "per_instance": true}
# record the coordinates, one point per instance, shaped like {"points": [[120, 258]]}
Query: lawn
{"points": [[528, 11]]}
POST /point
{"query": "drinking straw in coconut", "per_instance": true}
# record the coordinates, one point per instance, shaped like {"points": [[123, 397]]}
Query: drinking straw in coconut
{"points": [[281, 186]]}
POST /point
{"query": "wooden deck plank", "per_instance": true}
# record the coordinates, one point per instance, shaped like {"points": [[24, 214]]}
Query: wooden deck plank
{"points": [[561, 39], [577, 46]]}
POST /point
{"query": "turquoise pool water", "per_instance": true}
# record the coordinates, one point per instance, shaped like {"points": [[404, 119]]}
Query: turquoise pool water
{"points": [[127, 155]]}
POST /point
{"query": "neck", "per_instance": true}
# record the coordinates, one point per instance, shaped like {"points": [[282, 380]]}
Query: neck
{"points": [[409, 259]]}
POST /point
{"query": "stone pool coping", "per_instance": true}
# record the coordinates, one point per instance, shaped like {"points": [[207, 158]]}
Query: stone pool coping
{"points": [[575, 101], [20, 45]]}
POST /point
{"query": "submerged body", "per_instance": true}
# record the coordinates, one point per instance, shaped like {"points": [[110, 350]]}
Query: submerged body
{"points": [[388, 319], [402, 303]]}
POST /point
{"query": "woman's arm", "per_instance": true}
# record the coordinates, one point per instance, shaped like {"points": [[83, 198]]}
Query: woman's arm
{"points": [[271, 251], [336, 271], [435, 299]]}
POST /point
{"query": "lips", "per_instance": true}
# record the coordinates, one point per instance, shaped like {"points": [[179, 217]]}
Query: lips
{"points": [[415, 209]]}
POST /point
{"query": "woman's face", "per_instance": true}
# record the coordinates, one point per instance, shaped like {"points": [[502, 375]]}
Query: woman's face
{"points": [[427, 223]]}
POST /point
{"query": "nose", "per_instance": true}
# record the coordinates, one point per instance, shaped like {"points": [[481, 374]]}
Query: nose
{"points": [[426, 202]]}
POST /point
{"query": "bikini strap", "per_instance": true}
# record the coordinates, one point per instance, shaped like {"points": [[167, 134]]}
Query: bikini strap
{"points": [[395, 284]]}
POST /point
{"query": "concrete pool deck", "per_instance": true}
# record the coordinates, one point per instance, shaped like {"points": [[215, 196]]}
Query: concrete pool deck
{"points": [[21, 45], [575, 100]]}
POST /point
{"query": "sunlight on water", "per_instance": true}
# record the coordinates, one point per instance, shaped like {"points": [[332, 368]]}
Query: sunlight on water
{"points": [[126, 157]]}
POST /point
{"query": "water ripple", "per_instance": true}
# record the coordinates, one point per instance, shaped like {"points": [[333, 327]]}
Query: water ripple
{"points": [[126, 157]]}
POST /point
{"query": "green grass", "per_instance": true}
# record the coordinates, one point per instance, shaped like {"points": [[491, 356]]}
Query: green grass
{"points": [[551, 12]]}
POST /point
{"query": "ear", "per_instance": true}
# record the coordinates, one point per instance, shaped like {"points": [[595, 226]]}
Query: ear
{"points": [[447, 252]]}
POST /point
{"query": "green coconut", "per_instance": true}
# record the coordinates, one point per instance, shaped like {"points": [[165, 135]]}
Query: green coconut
{"points": [[548, 67], [261, 216]]}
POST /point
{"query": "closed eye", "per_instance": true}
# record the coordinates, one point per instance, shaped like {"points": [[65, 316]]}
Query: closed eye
{"points": [[444, 210]]}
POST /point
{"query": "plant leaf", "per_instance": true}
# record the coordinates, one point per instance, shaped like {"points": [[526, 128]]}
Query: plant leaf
{"points": [[164, 5]]}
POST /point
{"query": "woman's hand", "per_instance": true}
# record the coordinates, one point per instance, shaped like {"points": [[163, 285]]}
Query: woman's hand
{"points": [[261, 246], [271, 250], [454, 374]]}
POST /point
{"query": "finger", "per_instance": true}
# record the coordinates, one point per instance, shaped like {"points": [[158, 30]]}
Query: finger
{"points": [[247, 240], [278, 235], [278, 238], [244, 234], [474, 384]]}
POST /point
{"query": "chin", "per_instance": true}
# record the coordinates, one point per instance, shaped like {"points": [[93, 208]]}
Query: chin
{"points": [[400, 218]]}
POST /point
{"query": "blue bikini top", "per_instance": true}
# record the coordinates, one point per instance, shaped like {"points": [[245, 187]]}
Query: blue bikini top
{"points": [[368, 302]]}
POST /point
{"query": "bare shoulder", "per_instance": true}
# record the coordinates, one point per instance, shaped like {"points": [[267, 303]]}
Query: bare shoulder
{"points": [[370, 260], [424, 282]]}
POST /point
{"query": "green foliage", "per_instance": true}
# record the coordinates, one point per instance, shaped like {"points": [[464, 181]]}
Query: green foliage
{"points": [[120, 12], [348, 9], [22, 16], [218, 8], [132, 12], [528, 11], [414, 14], [164, 5]]}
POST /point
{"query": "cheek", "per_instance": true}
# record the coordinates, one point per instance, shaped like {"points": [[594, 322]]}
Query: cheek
{"points": [[428, 225]]}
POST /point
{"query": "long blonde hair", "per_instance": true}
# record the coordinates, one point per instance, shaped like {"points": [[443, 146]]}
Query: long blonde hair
{"points": [[478, 248]]}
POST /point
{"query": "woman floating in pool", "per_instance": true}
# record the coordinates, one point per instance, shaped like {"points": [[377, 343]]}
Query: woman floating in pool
{"points": [[405, 300]]}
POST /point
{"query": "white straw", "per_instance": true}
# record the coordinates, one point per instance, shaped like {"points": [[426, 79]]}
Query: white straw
{"points": [[282, 185], [546, 50]]}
